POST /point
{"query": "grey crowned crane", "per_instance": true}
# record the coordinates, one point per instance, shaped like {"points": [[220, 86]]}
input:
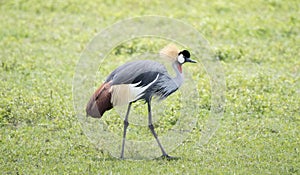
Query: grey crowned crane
{"points": [[139, 80]]}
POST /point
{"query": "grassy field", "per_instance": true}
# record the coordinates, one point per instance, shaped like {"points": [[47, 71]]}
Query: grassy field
{"points": [[258, 43]]}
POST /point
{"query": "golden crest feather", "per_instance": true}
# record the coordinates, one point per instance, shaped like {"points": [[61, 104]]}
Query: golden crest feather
{"points": [[170, 51]]}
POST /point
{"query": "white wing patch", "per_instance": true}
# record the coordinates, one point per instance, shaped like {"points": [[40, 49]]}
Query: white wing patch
{"points": [[122, 94]]}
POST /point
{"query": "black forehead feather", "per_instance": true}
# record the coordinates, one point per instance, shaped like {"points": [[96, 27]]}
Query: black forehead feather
{"points": [[185, 53]]}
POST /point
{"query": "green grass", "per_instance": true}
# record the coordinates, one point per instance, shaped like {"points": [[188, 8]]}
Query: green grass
{"points": [[257, 43]]}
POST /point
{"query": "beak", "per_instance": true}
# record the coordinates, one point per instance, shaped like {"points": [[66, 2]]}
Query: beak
{"points": [[190, 60]]}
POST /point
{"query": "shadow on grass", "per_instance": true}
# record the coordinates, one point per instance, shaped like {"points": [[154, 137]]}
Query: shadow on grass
{"points": [[161, 158]]}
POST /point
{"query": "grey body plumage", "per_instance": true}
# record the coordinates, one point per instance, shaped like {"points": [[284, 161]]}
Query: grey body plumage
{"points": [[139, 80], [142, 73]]}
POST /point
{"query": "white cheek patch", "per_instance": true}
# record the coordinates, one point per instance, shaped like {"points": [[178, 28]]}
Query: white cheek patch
{"points": [[180, 59]]}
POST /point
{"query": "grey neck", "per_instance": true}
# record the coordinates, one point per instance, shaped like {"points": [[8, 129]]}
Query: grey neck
{"points": [[178, 80]]}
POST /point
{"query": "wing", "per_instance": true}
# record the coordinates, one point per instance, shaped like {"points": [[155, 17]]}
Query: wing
{"points": [[128, 72], [130, 81], [125, 93]]}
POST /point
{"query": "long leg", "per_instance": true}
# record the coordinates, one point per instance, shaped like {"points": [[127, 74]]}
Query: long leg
{"points": [[151, 127], [125, 128]]}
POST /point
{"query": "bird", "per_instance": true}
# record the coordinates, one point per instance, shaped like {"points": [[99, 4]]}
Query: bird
{"points": [[139, 80]]}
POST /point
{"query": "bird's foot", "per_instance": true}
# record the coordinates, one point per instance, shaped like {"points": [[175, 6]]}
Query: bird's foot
{"points": [[122, 157], [167, 157]]}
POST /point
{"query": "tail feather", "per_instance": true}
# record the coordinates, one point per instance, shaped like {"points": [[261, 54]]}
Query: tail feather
{"points": [[100, 101]]}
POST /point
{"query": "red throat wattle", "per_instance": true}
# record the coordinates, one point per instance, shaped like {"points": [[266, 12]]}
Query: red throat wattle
{"points": [[179, 68]]}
